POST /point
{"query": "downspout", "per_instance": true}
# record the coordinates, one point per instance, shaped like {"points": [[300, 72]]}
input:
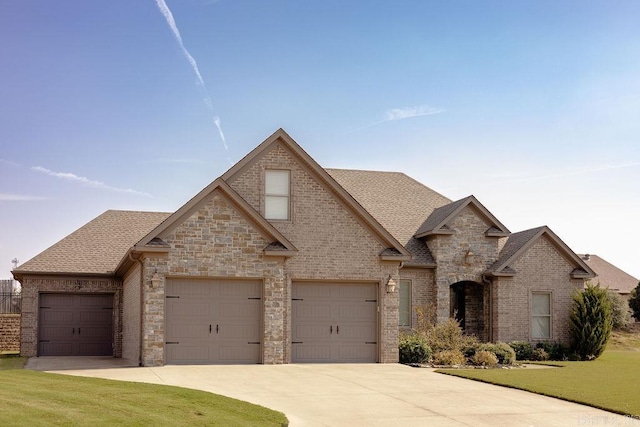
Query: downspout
{"points": [[489, 283], [132, 258]]}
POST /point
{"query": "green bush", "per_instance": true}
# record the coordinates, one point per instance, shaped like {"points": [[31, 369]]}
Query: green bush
{"points": [[505, 354], [414, 349], [446, 335], [449, 358], [555, 350], [620, 310], [634, 302], [484, 358], [539, 354], [590, 322], [522, 349]]}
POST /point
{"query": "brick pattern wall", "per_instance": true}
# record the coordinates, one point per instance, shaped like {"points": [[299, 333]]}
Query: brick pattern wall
{"points": [[32, 286], [217, 241], [131, 314], [450, 253], [9, 333], [422, 289], [333, 244], [541, 269]]}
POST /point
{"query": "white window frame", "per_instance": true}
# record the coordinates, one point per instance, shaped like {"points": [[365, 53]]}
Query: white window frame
{"points": [[405, 283], [549, 295], [273, 196]]}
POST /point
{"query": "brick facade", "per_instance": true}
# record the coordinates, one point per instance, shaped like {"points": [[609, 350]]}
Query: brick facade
{"points": [[9, 333]]}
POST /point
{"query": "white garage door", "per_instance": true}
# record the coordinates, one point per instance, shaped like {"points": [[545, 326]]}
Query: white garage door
{"points": [[334, 323], [213, 321]]}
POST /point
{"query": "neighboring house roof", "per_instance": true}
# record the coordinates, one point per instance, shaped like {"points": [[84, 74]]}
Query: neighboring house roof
{"points": [[95, 248], [610, 276], [437, 223], [398, 202], [518, 243]]}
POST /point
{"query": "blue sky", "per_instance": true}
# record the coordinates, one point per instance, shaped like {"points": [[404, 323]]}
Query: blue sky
{"points": [[533, 107]]}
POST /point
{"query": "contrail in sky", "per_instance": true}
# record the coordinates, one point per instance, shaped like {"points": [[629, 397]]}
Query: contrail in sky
{"points": [[168, 16]]}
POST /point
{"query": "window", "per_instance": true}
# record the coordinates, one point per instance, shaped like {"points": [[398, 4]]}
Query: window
{"points": [[541, 315], [405, 303], [276, 194]]}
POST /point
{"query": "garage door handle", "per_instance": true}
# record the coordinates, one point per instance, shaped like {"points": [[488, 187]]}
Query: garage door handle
{"points": [[78, 331], [209, 328], [217, 328], [73, 331], [331, 329], [338, 330]]}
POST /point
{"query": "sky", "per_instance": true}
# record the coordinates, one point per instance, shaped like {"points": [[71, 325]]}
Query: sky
{"points": [[533, 107]]}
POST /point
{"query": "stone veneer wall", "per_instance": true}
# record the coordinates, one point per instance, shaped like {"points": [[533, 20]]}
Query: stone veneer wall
{"points": [[9, 333], [333, 244], [131, 314], [32, 286], [542, 268], [449, 252], [216, 241]]}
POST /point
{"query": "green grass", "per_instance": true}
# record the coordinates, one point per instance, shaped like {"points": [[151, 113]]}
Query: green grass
{"points": [[29, 398], [612, 382]]}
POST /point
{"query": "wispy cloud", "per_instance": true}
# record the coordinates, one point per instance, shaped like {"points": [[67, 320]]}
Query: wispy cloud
{"points": [[8, 197], [395, 114], [87, 182], [9, 163], [168, 16]]}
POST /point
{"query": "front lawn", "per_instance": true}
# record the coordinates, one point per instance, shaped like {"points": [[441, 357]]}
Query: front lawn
{"points": [[612, 382], [37, 398]]}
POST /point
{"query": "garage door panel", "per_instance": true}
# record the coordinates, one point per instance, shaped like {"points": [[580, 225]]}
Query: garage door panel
{"points": [[334, 322], [223, 318], [75, 325]]}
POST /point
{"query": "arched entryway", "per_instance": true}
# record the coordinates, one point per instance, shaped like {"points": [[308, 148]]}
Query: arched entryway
{"points": [[469, 306]]}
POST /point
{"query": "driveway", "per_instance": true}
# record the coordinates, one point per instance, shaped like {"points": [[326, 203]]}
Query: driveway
{"points": [[357, 395]]}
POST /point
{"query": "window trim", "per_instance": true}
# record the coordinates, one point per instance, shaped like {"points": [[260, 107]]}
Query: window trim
{"points": [[409, 284], [549, 294], [267, 195]]}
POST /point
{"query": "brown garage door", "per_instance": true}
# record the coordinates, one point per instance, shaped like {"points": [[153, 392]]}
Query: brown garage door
{"points": [[75, 325], [213, 321], [334, 323]]}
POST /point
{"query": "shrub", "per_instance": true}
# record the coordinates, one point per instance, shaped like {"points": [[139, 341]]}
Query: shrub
{"points": [[449, 357], [555, 350], [522, 349], [484, 358], [620, 310], [634, 302], [414, 349], [442, 336], [503, 352], [539, 354], [590, 321]]}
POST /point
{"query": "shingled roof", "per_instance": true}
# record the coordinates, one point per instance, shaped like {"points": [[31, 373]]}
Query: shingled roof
{"points": [[398, 202], [97, 247], [608, 275]]}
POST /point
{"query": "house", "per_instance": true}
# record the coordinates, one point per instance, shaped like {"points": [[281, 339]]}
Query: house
{"points": [[610, 276], [282, 261]]}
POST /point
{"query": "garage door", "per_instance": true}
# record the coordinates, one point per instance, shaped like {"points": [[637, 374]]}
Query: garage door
{"points": [[334, 323], [213, 321], [75, 325]]}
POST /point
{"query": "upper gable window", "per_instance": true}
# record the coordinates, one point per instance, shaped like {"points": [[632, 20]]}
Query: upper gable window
{"points": [[276, 194]]}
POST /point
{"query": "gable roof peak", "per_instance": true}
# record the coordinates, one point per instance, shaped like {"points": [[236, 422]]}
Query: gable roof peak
{"points": [[437, 222]]}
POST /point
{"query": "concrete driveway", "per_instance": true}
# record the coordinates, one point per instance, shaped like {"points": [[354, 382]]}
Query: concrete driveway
{"points": [[356, 395]]}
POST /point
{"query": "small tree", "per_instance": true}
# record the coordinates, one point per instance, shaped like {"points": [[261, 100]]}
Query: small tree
{"points": [[590, 322], [620, 312], [634, 302]]}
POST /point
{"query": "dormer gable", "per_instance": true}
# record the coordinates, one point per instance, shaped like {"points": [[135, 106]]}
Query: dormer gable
{"points": [[519, 243], [438, 223]]}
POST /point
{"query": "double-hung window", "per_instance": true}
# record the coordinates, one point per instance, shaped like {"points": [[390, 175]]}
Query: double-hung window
{"points": [[405, 303], [541, 315], [276, 194]]}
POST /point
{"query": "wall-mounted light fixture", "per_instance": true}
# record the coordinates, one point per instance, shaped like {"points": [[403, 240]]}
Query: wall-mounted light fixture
{"points": [[155, 280], [390, 285]]}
